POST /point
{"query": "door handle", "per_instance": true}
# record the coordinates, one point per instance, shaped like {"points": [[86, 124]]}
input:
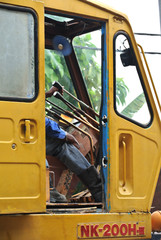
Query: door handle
{"points": [[27, 131], [124, 163]]}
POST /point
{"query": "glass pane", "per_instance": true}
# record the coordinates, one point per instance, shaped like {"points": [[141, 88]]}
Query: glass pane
{"points": [[130, 97], [17, 69], [88, 51], [56, 70]]}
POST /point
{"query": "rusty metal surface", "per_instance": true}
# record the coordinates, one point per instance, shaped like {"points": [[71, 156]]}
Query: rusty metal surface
{"points": [[83, 139], [64, 182]]}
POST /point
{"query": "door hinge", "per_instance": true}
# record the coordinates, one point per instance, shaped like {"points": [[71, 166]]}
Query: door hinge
{"points": [[104, 162], [104, 120]]}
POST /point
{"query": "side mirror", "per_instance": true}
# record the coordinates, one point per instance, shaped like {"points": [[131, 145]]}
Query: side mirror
{"points": [[127, 58]]}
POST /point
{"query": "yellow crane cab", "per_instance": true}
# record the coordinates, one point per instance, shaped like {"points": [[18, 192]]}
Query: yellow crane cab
{"points": [[109, 105]]}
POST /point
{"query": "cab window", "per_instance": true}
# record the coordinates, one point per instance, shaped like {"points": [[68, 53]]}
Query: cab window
{"points": [[130, 98], [17, 43]]}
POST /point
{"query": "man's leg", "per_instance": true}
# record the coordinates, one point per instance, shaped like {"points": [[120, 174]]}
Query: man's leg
{"points": [[68, 154], [77, 163], [73, 158]]}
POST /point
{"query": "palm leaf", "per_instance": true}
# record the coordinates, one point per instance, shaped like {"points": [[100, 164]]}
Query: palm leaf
{"points": [[121, 91], [134, 106]]}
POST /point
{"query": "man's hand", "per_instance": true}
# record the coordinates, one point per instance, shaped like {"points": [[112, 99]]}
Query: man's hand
{"points": [[52, 90], [71, 139]]}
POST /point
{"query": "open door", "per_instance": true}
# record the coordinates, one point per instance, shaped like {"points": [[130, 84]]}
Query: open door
{"points": [[135, 133], [22, 125]]}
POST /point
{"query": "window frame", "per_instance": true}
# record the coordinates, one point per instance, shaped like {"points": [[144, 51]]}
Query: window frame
{"points": [[141, 82], [33, 13]]}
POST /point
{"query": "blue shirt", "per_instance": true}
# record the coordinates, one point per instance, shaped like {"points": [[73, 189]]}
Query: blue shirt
{"points": [[53, 130]]}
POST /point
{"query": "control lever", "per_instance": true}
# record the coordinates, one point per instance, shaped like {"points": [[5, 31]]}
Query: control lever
{"points": [[60, 88]]}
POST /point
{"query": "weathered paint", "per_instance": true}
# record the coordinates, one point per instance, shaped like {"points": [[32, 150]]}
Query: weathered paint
{"points": [[105, 126]]}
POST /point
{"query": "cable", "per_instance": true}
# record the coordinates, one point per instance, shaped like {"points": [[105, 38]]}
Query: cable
{"points": [[149, 34]]}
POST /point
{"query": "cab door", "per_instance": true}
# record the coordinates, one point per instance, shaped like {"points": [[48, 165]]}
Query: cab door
{"points": [[22, 110], [134, 128]]}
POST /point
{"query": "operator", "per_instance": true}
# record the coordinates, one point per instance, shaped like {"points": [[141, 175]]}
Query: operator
{"points": [[65, 147]]}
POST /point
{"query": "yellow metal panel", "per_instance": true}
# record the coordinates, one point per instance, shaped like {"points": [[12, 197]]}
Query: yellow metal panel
{"points": [[83, 7], [22, 139], [76, 226], [143, 146], [76, 7], [27, 173], [6, 136]]}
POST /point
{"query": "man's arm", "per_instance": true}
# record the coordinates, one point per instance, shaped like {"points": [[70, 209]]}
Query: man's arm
{"points": [[53, 130], [71, 139]]}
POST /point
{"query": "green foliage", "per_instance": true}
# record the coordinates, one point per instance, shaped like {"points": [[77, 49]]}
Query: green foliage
{"points": [[134, 106], [90, 68], [121, 91], [56, 70]]}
